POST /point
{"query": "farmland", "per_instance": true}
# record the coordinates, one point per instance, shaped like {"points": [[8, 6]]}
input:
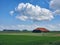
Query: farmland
{"points": [[29, 38]]}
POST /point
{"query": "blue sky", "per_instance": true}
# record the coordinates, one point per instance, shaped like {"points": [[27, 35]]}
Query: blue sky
{"points": [[12, 19]]}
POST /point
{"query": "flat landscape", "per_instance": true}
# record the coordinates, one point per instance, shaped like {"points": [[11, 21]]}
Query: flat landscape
{"points": [[29, 22], [21, 38]]}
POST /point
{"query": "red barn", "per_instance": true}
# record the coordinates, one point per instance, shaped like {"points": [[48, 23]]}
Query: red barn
{"points": [[40, 30]]}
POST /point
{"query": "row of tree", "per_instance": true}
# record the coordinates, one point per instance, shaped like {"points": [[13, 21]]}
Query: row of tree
{"points": [[9, 30]]}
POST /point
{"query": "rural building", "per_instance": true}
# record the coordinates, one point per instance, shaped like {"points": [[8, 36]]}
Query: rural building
{"points": [[38, 30]]}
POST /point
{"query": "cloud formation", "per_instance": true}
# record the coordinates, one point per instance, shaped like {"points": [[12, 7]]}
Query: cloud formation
{"points": [[11, 13], [27, 11], [57, 12], [55, 5], [22, 17], [54, 27], [21, 27]]}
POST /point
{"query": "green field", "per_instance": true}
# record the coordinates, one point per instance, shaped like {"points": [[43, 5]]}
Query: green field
{"points": [[29, 39]]}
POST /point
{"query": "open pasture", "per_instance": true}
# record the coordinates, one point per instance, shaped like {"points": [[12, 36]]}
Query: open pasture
{"points": [[29, 38]]}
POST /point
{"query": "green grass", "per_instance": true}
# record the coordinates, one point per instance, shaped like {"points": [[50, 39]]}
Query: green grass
{"points": [[28, 39], [29, 33]]}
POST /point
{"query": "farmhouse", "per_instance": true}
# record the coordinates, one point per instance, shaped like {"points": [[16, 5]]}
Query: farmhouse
{"points": [[38, 30]]}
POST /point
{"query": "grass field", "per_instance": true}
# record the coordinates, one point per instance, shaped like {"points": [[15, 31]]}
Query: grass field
{"points": [[29, 38]]}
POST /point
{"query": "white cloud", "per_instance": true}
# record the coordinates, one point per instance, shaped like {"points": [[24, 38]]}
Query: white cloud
{"points": [[19, 27], [55, 5], [58, 25], [57, 12], [1, 27], [51, 27], [29, 11], [22, 17], [29, 27], [11, 13]]}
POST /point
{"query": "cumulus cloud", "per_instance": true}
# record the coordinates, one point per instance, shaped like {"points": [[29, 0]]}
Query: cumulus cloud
{"points": [[11, 13], [27, 11], [22, 17], [57, 12], [55, 5]]}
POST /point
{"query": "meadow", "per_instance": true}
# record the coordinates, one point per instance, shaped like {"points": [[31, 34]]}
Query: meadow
{"points": [[29, 38]]}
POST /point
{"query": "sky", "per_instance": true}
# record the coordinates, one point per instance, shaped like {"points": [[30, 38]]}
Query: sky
{"points": [[30, 14]]}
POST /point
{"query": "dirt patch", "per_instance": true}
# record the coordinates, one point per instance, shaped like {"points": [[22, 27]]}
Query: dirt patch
{"points": [[56, 35]]}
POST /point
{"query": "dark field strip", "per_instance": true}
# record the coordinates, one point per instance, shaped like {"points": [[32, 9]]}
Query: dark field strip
{"points": [[28, 40]]}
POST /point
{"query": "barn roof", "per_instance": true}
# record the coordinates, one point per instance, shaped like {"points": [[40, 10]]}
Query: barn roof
{"points": [[42, 29]]}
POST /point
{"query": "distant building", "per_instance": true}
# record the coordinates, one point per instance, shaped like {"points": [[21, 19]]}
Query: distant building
{"points": [[38, 30]]}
